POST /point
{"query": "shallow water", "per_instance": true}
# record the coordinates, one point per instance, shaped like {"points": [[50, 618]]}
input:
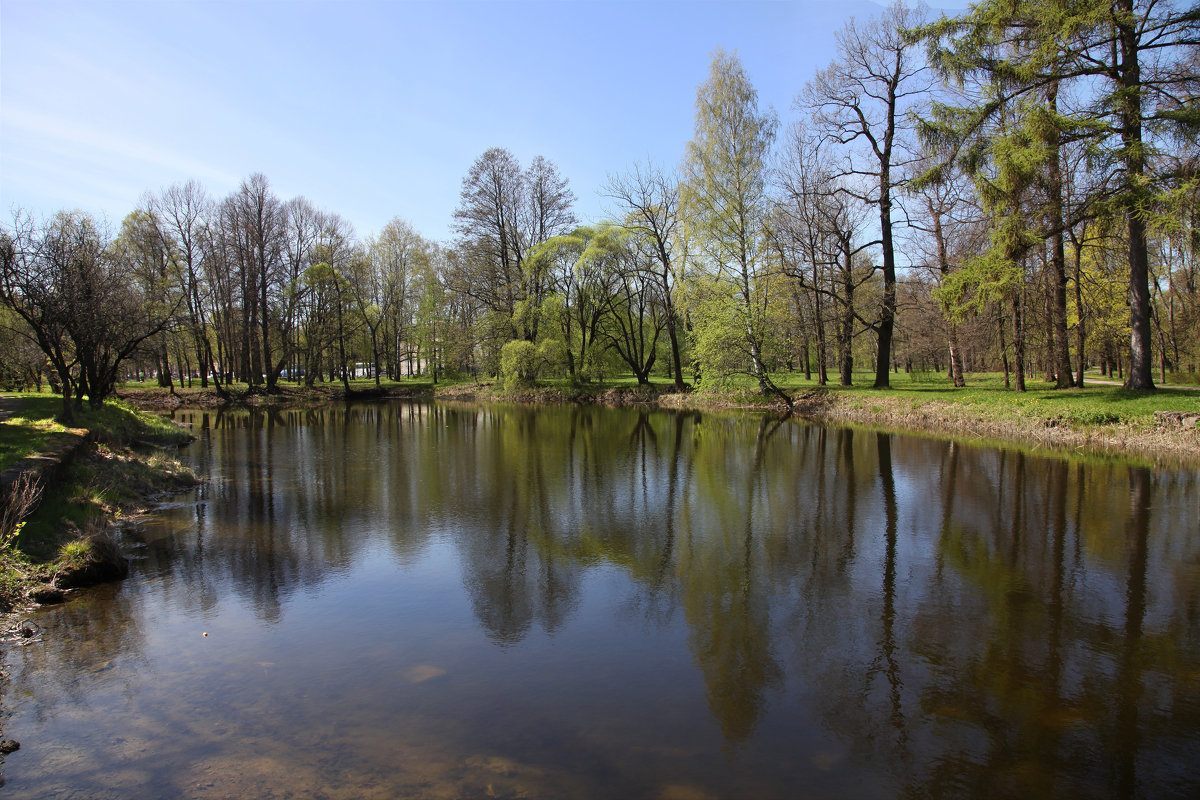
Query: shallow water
{"points": [[458, 601]]}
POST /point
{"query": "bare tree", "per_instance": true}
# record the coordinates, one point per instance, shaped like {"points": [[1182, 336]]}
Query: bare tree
{"points": [[180, 212], [487, 222], [953, 230], [827, 222], [648, 201], [303, 224], [64, 280], [395, 257], [861, 101], [502, 213]]}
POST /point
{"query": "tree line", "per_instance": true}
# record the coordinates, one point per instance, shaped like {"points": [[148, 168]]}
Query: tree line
{"points": [[1013, 189]]}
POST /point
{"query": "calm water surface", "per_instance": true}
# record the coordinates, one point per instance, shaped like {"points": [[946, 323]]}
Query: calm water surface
{"points": [[436, 601]]}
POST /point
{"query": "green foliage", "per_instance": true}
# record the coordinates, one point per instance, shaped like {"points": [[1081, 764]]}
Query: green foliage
{"points": [[725, 195], [552, 356], [519, 364], [15, 572], [75, 553], [718, 337]]}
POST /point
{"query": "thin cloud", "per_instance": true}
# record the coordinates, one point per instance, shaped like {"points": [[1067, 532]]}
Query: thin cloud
{"points": [[97, 146]]}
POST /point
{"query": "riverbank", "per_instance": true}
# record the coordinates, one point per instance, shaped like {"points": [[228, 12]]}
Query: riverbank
{"points": [[1120, 427], [62, 490], [1156, 428]]}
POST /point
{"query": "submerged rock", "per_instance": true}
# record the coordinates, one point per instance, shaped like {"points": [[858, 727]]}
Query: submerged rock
{"points": [[47, 594], [423, 673]]}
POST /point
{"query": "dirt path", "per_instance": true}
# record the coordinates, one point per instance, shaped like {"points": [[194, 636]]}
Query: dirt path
{"points": [[1106, 382], [8, 405]]}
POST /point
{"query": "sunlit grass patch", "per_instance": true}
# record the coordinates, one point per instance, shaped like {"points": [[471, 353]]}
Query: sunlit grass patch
{"points": [[29, 427]]}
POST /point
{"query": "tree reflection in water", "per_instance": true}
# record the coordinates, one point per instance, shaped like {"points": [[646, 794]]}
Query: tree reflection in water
{"points": [[863, 610]]}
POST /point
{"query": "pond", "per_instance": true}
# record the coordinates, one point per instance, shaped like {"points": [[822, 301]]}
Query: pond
{"points": [[466, 601]]}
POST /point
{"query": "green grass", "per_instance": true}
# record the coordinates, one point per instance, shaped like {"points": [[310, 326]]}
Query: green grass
{"points": [[117, 423], [75, 552], [118, 473], [29, 427], [1094, 406], [985, 395]]}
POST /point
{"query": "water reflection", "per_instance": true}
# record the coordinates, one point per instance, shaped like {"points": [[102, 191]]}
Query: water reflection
{"points": [[860, 613]]}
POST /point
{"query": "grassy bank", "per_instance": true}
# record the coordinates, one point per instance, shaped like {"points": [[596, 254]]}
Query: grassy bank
{"points": [[1099, 418], [122, 466]]}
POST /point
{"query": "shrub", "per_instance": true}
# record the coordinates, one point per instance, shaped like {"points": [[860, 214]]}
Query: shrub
{"points": [[519, 362]]}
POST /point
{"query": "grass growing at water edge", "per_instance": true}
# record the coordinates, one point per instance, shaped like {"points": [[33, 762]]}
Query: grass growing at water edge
{"points": [[124, 468]]}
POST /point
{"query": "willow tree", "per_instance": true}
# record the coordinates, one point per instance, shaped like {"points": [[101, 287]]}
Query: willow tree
{"points": [[725, 197]]}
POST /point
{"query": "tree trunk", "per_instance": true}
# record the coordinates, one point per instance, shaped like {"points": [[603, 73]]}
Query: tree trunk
{"points": [[887, 310], [956, 361], [1004, 354], [956, 366], [1051, 349], [822, 345], [1080, 330], [673, 335], [1141, 344], [1018, 342], [846, 331], [1058, 256]]}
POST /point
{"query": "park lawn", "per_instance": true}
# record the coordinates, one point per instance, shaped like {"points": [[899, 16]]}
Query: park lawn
{"points": [[35, 419], [29, 427], [985, 397]]}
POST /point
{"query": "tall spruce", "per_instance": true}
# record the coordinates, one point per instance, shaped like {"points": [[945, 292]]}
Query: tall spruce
{"points": [[1121, 59]]}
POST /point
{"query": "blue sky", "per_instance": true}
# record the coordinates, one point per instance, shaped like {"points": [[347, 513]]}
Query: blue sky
{"points": [[370, 109]]}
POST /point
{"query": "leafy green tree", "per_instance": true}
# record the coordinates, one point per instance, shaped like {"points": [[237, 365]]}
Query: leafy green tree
{"points": [[582, 268], [726, 200], [441, 330], [638, 308], [518, 361], [1126, 62]]}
